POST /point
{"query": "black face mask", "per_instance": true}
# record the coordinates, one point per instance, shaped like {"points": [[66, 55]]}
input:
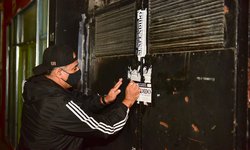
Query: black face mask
{"points": [[74, 78]]}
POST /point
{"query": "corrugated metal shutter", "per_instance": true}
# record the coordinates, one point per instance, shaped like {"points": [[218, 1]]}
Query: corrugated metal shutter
{"points": [[185, 25], [115, 31]]}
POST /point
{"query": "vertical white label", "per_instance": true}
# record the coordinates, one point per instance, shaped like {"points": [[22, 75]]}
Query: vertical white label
{"points": [[141, 43]]}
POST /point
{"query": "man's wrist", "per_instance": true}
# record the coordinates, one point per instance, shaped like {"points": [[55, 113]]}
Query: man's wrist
{"points": [[127, 103], [103, 100]]}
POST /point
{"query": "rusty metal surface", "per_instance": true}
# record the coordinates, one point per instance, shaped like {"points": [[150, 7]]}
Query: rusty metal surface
{"points": [[185, 25], [192, 47], [115, 31], [194, 100]]}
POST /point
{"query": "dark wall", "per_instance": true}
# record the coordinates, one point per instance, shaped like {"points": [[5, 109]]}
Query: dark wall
{"points": [[106, 72], [197, 50], [248, 75], [241, 82], [64, 21], [193, 102]]}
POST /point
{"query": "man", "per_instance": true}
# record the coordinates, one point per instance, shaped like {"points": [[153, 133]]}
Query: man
{"points": [[54, 117]]}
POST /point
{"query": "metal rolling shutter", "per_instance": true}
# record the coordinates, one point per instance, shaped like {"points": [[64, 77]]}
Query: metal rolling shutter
{"points": [[185, 25], [115, 31]]}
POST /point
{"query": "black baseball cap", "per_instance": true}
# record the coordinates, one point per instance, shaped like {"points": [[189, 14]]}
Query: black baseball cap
{"points": [[55, 56]]}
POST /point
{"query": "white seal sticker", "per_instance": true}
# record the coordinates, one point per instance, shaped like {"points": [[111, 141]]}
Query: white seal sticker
{"points": [[146, 87], [146, 93]]}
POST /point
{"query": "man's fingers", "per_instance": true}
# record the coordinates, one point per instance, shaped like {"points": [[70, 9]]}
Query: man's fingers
{"points": [[132, 83], [118, 84], [117, 92]]}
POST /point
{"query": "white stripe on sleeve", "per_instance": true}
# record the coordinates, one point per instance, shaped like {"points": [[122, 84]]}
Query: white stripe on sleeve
{"points": [[92, 123]]}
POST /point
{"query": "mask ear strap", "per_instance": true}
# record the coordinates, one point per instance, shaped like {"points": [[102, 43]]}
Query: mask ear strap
{"points": [[64, 71]]}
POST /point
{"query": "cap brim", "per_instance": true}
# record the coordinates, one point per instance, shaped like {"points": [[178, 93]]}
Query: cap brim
{"points": [[41, 69]]}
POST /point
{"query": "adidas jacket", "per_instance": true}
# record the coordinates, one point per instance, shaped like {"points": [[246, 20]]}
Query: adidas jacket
{"points": [[57, 119]]}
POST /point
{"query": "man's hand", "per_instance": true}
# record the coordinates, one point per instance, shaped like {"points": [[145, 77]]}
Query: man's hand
{"points": [[131, 94], [113, 92]]}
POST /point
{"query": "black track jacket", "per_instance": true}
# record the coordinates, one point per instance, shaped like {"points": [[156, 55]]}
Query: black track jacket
{"points": [[57, 119]]}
